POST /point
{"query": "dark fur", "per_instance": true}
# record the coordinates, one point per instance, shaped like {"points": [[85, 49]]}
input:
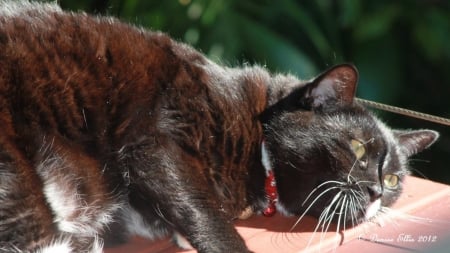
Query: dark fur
{"points": [[132, 120]]}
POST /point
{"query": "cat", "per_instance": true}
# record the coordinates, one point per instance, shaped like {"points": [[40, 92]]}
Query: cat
{"points": [[110, 130]]}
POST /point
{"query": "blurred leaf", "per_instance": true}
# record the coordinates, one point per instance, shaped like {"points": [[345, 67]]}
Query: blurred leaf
{"points": [[129, 7], [75, 5], [304, 21], [376, 24], [272, 49], [380, 70], [212, 10], [432, 34], [349, 12]]}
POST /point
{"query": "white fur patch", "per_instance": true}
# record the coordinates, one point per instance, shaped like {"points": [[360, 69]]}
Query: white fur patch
{"points": [[372, 209], [97, 246], [58, 247], [282, 210], [267, 164], [64, 203], [136, 225], [73, 213], [64, 246], [181, 241], [265, 158]]}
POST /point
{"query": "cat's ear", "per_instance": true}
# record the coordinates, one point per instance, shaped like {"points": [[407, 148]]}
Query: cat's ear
{"points": [[335, 86], [413, 142]]}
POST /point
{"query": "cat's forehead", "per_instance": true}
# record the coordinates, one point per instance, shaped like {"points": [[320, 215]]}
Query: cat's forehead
{"points": [[395, 158], [356, 124]]}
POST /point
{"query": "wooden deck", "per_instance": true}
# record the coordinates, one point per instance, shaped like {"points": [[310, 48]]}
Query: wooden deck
{"points": [[419, 222]]}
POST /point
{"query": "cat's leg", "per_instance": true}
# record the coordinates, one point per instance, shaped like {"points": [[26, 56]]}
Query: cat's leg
{"points": [[76, 189], [42, 206], [168, 184], [26, 221]]}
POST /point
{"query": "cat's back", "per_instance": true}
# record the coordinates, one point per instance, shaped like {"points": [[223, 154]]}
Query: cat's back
{"points": [[51, 44], [103, 84], [75, 72]]}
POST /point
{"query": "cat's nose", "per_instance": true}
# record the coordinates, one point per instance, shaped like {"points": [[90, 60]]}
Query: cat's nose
{"points": [[375, 192]]}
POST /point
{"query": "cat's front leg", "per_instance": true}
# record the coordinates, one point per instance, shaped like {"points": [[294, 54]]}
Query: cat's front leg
{"points": [[170, 186]]}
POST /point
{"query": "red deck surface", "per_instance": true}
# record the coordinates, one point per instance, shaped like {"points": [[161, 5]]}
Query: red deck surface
{"points": [[419, 222]]}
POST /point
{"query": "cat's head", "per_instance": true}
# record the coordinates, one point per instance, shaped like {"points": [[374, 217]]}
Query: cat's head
{"points": [[333, 157]]}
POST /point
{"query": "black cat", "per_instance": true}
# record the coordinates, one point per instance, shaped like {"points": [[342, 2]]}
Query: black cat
{"points": [[104, 125]]}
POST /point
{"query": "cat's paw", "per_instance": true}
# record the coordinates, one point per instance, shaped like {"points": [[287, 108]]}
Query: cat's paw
{"points": [[247, 213], [181, 241]]}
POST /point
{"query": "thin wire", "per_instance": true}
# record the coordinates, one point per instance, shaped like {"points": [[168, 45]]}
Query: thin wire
{"points": [[406, 112]]}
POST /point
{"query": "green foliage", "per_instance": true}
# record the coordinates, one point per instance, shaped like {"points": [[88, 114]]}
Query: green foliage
{"points": [[401, 48]]}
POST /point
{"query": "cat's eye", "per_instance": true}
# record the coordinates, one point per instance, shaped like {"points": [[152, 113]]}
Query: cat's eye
{"points": [[390, 181], [358, 148]]}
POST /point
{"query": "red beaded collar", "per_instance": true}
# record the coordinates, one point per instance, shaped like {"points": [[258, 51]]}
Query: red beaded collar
{"points": [[270, 185]]}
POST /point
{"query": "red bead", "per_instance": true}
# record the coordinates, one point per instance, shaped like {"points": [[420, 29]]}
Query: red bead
{"points": [[271, 192], [269, 211]]}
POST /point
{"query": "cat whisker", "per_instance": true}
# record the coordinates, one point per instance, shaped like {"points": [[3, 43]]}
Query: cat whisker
{"points": [[349, 181], [369, 141], [312, 203], [337, 198], [350, 172], [358, 226], [326, 217], [352, 181], [358, 194], [395, 214], [318, 187], [346, 200], [158, 211], [84, 118], [353, 209], [383, 217], [359, 197], [330, 218], [418, 172], [346, 207], [45, 147], [320, 223], [341, 211], [355, 205], [364, 182], [418, 160], [342, 214]]}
